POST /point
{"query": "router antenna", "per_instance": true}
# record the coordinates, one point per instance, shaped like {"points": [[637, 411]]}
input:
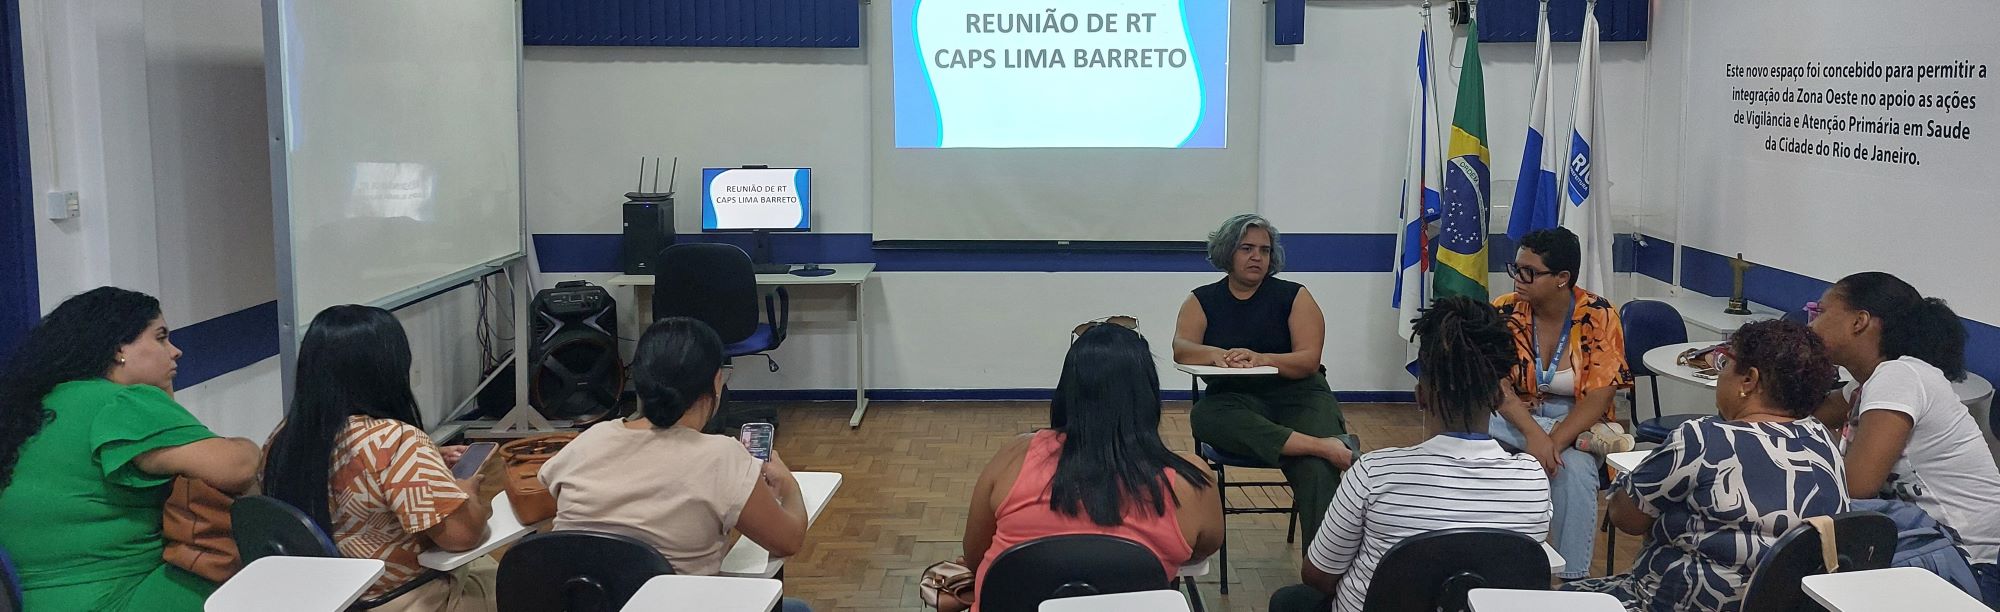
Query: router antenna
{"points": [[672, 173], [656, 175], [642, 174]]}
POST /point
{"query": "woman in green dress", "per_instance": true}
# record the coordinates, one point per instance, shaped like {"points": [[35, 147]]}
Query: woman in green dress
{"points": [[90, 440]]}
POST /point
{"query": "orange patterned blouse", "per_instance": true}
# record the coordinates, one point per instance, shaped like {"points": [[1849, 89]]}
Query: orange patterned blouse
{"points": [[1596, 345]]}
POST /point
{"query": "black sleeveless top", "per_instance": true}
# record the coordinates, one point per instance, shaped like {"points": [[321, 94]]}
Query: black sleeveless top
{"points": [[1261, 323]]}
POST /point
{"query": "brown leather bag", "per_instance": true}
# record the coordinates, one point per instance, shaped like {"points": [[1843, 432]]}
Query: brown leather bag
{"points": [[525, 492], [195, 523]]}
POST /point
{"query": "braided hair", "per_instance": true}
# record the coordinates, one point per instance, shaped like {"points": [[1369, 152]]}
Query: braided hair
{"points": [[1465, 350]]}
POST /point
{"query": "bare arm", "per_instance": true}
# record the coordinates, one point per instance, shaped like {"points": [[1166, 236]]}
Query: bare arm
{"points": [[1318, 579], [775, 515], [1202, 508], [228, 464], [1189, 328], [1626, 516], [980, 522], [1308, 327], [1879, 439], [464, 529], [1833, 411]]}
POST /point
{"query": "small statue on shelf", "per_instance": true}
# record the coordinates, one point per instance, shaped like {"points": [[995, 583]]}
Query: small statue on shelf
{"points": [[1737, 305]]}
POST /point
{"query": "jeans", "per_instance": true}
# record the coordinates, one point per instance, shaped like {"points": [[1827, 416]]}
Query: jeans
{"points": [[1989, 581], [793, 604], [1573, 490]]}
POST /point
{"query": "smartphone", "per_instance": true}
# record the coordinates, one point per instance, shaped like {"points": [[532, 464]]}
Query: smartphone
{"points": [[474, 458], [756, 437]]}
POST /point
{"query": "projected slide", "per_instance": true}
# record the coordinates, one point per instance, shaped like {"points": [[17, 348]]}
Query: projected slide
{"points": [[1085, 73]]}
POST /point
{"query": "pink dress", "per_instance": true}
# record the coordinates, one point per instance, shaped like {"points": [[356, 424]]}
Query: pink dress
{"points": [[1026, 515]]}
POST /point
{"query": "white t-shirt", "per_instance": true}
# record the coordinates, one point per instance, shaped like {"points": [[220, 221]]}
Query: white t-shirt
{"points": [[1443, 483], [676, 488], [1946, 466]]}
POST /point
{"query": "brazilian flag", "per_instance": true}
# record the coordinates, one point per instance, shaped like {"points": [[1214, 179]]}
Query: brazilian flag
{"points": [[1461, 255]]}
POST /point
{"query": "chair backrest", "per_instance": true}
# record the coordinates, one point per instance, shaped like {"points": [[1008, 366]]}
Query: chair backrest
{"points": [[1797, 315], [1434, 571], [1024, 576], [1649, 325], [264, 526], [10, 584], [575, 571], [709, 282], [1864, 541]]}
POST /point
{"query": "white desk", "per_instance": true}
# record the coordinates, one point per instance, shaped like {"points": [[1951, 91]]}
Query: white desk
{"points": [[749, 560], [1194, 570], [1626, 461], [708, 593], [1556, 562], [1510, 600], [849, 274], [313, 584], [1705, 311], [1974, 391], [1143, 601], [1889, 590], [1204, 371], [501, 529]]}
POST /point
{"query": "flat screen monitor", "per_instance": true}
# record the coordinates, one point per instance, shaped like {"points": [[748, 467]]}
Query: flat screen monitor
{"points": [[756, 199]]}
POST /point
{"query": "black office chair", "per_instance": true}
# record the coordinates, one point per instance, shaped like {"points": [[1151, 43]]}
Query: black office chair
{"points": [[715, 283], [1863, 541], [1650, 325], [263, 526], [576, 571], [1435, 571], [10, 584], [1024, 576]]}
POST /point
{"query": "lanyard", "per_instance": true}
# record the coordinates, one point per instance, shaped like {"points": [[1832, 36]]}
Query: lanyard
{"points": [[1546, 374]]}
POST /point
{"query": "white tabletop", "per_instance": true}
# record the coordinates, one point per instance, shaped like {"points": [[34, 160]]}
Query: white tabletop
{"points": [[1556, 561], [709, 593], [501, 529], [843, 274], [1209, 370], [1973, 390], [1194, 570], [1143, 601], [1624, 462], [747, 559], [1511, 600], [1889, 590], [312, 584], [1705, 311]]}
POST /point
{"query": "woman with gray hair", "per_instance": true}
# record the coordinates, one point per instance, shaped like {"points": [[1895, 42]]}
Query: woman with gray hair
{"points": [[1251, 319]]}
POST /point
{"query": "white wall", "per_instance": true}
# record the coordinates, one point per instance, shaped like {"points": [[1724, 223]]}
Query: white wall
{"points": [[155, 114], [1335, 115]]}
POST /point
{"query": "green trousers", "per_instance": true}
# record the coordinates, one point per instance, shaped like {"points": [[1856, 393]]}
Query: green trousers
{"points": [[1253, 417]]}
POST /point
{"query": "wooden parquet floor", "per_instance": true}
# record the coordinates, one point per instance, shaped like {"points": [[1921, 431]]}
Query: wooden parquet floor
{"points": [[908, 476]]}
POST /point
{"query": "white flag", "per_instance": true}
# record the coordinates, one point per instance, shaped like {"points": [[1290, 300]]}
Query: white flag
{"points": [[1586, 213], [1420, 203], [1537, 197]]}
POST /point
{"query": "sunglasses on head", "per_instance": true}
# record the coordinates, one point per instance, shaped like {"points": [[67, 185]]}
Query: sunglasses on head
{"points": [[1126, 321], [1813, 311]]}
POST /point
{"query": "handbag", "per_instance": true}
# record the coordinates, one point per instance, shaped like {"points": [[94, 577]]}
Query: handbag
{"points": [[195, 524], [525, 492], [947, 586]]}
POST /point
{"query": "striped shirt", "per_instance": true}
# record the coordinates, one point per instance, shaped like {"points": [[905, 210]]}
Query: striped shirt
{"points": [[1443, 483]]}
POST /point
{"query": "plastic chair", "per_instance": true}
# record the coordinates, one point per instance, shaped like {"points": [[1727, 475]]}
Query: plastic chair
{"points": [[1024, 576], [264, 526], [10, 584], [576, 571], [1436, 570], [1865, 541], [1649, 325]]}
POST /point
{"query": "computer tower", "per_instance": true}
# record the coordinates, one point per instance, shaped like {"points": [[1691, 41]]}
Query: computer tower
{"points": [[649, 227]]}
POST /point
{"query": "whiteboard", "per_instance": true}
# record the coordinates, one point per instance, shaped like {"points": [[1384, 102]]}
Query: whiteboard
{"points": [[395, 152]]}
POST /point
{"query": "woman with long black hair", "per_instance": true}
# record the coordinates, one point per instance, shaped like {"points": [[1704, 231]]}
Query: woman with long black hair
{"points": [[90, 440], [1906, 434], [1101, 470], [353, 455]]}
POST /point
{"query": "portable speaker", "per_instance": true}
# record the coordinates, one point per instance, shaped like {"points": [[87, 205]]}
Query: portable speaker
{"points": [[649, 227], [575, 372]]}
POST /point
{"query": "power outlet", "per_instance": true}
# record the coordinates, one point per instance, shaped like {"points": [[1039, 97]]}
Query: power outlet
{"points": [[60, 205]]}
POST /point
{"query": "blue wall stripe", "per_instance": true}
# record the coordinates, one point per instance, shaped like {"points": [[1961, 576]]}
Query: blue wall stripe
{"points": [[226, 343], [692, 23]]}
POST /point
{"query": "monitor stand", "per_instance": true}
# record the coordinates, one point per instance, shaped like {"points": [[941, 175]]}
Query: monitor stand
{"points": [[760, 255]]}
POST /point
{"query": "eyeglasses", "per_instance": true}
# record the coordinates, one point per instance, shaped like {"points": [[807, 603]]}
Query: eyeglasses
{"points": [[1722, 358], [1126, 321], [1813, 311], [1525, 274]]}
